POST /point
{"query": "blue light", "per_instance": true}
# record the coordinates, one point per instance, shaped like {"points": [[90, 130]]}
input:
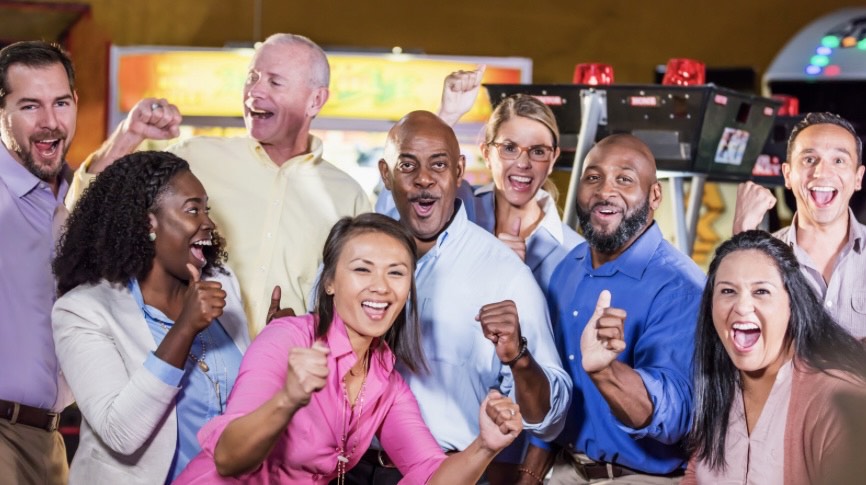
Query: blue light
{"points": [[813, 69], [824, 51]]}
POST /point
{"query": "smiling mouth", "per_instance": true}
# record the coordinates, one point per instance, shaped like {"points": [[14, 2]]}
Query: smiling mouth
{"points": [[519, 182], [745, 336], [423, 206], [375, 310], [259, 114], [823, 196], [197, 250], [47, 148]]}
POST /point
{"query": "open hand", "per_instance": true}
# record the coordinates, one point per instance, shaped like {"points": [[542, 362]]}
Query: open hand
{"points": [[603, 338], [307, 372], [459, 92], [753, 201], [500, 421], [501, 325], [204, 301]]}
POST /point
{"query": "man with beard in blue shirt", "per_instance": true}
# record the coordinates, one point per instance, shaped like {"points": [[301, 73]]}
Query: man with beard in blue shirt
{"points": [[623, 306]]}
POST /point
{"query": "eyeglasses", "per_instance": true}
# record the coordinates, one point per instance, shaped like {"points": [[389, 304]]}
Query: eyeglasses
{"points": [[512, 151]]}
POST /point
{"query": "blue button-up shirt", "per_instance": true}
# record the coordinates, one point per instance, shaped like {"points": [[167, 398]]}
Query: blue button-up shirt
{"points": [[466, 269], [660, 290], [197, 401]]}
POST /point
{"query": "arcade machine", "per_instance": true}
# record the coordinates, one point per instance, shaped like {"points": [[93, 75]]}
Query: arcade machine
{"points": [[369, 92], [696, 132], [824, 67]]}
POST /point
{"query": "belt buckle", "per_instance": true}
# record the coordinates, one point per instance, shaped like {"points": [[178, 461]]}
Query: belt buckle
{"points": [[54, 422], [380, 456]]}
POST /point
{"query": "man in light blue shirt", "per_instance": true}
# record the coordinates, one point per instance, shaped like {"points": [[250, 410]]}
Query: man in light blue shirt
{"points": [[484, 320], [624, 306]]}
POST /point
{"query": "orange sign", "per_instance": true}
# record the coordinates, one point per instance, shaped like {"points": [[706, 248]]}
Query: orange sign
{"points": [[374, 87]]}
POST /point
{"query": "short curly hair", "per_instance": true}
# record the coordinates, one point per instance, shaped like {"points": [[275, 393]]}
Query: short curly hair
{"points": [[106, 236]]}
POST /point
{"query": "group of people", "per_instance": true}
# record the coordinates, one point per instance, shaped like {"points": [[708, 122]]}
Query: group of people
{"points": [[230, 311]]}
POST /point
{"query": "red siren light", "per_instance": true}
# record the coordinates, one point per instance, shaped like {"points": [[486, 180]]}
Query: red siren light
{"points": [[684, 72], [593, 73]]}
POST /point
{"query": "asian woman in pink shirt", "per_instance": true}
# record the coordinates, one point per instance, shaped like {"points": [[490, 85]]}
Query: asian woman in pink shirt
{"points": [[314, 390]]}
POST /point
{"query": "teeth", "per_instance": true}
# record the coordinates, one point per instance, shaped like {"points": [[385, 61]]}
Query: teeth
{"points": [[378, 305], [523, 180], [746, 326], [823, 189], [203, 242]]}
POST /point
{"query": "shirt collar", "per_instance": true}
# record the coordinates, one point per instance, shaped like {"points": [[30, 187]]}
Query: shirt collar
{"points": [[633, 261], [148, 311], [456, 226], [856, 234], [550, 220], [20, 181], [312, 156], [341, 348]]}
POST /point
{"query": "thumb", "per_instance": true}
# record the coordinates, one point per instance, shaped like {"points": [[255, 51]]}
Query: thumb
{"points": [[194, 273], [275, 297], [602, 303], [480, 70], [493, 394], [321, 347], [515, 227]]}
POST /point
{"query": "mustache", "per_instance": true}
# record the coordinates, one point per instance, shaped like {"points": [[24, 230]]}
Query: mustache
{"points": [[424, 195], [49, 135], [604, 203]]}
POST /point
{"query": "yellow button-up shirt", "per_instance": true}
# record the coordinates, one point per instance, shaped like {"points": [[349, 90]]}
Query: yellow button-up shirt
{"points": [[275, 219]]}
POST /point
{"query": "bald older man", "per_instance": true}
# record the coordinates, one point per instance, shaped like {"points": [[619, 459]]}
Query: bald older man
{"points": [[484, 319], [624, 306]]}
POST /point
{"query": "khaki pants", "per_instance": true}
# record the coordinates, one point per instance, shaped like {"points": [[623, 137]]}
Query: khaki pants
{"points": [[566, 473], [31, 456]]}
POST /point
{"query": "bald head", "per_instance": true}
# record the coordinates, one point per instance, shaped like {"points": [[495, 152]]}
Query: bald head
{"points": [[422, 168], [617, 195]]}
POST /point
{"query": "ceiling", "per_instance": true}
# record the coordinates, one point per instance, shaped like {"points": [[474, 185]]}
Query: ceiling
{"points": [[49, 21]]}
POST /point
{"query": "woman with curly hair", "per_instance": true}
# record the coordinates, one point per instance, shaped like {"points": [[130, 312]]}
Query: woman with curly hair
{"points": [[149, 330], [780, 388]]}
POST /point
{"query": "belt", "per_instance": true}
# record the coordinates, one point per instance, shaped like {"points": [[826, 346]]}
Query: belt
{"points": [[29, 416], [599, 470], [377, 458]]}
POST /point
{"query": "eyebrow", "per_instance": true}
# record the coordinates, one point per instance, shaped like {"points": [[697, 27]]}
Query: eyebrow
{"points": [[810, 151], [194, 199], [37, 101], [762, 282]]}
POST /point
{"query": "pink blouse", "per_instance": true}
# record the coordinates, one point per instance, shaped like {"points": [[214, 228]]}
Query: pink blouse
{"points": [[306, 452]]}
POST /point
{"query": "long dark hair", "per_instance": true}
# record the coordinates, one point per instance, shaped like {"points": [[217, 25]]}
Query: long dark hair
{"points": [[817, 341], [106, 236], [404, 336]]}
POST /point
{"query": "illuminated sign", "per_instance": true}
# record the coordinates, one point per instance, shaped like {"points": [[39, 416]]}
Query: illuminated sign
{"points": [[374, 87]]}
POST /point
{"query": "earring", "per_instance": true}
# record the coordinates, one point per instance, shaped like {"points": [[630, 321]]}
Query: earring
{"points": [[151, 236], [329, 291]]}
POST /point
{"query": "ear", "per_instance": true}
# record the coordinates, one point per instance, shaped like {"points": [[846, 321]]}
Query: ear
{"points": [[318, 98], [786, 172], [461, 168], [553, 162], [385, 173], [655, 196], [859, 177], [75, 97], [484, 148], [153, 221]]}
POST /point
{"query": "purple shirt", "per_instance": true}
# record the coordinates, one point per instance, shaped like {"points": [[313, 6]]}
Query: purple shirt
{"points": [[27, 291]]}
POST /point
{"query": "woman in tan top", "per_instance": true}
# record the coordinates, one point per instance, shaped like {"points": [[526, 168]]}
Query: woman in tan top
{"points": [[780, 388]]}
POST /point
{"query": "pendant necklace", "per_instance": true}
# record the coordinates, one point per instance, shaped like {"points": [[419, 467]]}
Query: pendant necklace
{"points": [[348, 412]]}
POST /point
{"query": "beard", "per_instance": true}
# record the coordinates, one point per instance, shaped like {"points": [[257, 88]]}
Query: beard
{"points": [[45, 172], [629, 227]]}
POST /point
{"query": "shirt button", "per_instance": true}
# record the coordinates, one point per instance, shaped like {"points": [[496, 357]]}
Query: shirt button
{"points": [[571, 357], [829, 303], [269, 235], [574, 313], [262, 269]]}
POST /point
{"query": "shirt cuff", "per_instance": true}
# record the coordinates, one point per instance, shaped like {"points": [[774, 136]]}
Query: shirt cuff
{"points": [[560, 396], [654, 388], [163, 371], [539, 443]]}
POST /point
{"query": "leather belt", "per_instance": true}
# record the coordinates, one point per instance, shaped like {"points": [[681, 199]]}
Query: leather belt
{"points": [[598, 470], [29, 416]]}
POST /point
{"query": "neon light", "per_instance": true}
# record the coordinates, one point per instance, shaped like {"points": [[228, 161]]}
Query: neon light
{"points": [[820, 60], [813, 69], [849, 41], [862, 45], [832, 70], [824, 51], [830, 41]]}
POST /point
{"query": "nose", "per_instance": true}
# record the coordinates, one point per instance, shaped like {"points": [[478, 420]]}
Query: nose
{"points": [[377, 283], [49, 119], [820, 167], [255, 89], [744, 304], [424, 179], [523, 160]]}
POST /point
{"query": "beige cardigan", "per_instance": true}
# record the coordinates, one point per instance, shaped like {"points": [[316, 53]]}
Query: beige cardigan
{"points": [[129, 430], [825, 431]]}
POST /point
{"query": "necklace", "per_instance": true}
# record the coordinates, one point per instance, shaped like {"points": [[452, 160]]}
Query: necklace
{"points": [[202, 365], [348, 412]]}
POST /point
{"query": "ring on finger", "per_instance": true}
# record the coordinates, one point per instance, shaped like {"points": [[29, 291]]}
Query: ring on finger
{"points": [[512, 412], [155, 106]]}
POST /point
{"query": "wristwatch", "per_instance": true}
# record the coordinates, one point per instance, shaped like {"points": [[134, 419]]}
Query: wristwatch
{"points": [[523, 351]]}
